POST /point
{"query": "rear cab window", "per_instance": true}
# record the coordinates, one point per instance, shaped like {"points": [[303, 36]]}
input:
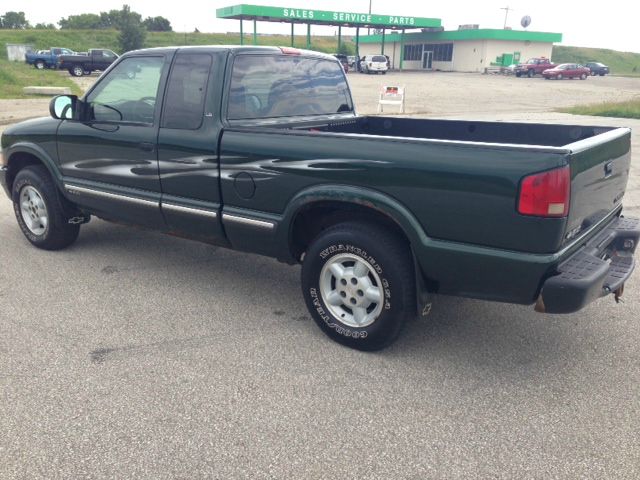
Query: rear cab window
{"points": [[271, 86], [379, 58]]}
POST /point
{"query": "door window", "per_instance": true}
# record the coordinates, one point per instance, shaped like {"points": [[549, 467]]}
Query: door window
{"points": [[128, 93], [187, 91]]}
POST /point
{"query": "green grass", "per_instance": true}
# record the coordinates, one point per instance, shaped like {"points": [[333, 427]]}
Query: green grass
{"points": [[16, 75], [81, 40], [620, 63], [630, 109]]}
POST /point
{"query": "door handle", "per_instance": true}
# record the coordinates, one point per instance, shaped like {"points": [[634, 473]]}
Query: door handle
{"points": [[146, 146]]}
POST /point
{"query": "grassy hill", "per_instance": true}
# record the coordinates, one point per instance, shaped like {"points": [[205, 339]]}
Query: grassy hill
{"points": [[620, 63], [81, 40]]}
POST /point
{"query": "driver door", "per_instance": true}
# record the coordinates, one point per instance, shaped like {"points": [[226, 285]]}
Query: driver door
{"points": [[109, 158]]}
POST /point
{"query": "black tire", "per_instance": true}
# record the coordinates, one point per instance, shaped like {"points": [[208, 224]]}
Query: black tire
{"points": [[602, 74], [39, 65], [518, 74], [530, 73], [583, 76], [58, 233], [388, 259], [77, 71], [87, 72], [593, 73], [559, 76]]}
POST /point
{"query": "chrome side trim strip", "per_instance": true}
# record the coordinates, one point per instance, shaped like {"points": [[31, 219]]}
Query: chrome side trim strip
{"points": [[75, 190], [190, 210], [248, 221]]}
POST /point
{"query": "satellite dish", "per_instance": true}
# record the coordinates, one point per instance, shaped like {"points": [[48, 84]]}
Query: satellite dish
{"points": [[525, 21]]}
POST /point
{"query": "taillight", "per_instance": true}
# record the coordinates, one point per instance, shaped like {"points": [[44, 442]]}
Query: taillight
{"points": [[546, 194]]}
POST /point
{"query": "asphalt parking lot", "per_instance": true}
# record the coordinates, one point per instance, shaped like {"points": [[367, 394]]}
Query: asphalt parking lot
{"points": [[138, 355]]}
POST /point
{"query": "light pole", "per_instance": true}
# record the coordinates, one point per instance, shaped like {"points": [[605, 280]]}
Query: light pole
{"points": [[506, 14], [368, 29]]}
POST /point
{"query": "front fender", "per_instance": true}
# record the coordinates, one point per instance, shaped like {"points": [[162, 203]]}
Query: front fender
{"points": [[13, 153], [360, 196]]}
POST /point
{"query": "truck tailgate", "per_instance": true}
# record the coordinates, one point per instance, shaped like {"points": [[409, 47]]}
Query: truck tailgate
{"points": [[599, 173]]}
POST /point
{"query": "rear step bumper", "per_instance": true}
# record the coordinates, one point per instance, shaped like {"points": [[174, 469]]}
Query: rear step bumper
{"points": [[599, 268]]}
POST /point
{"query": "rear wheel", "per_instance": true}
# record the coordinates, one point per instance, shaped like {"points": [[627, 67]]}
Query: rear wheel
{"points": [[559, 76], [40, 210], [593, 73], [602, 74], [358, 284], [583, 76]]}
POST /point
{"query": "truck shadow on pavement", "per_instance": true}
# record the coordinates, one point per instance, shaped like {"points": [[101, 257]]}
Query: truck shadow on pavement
{"points": [[490, 337]]}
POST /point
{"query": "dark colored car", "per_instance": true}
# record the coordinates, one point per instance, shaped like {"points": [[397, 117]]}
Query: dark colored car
{"points": [[567, 70], [344, 60], [533, 66], [259, 149], [97, 59], [597, 68]]}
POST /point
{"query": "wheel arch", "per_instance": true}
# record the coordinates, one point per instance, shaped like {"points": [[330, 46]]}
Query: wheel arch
{"points": [[20, 156], [316, 208]]}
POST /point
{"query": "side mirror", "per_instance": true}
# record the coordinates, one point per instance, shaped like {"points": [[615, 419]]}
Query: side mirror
{"points": [[64, 107]]}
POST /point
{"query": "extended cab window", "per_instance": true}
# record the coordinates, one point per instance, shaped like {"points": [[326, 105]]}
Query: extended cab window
{"points": [[184, 104], [128, 93], [264, 86]]}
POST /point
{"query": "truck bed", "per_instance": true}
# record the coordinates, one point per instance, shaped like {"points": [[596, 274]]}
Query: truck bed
{"points": [[462, 177]]}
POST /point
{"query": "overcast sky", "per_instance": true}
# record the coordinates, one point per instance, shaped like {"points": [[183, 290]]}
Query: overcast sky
{"points": [[610, 24]]}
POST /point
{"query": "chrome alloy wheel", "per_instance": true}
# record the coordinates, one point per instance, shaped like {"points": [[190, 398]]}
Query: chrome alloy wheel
{"points": [[352, 290], [33, 210]]}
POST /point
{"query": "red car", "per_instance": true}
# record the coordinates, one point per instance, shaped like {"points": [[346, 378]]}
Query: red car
{"points": [[567, 70]]}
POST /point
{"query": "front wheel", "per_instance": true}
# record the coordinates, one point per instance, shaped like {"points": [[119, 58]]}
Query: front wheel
{"points": [[530, 73], [40, 210], [77, 71], [559, 76], [39, 65], [358, 283], [583, 76]]}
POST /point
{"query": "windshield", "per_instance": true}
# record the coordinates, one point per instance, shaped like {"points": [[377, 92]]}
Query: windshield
{"points": [[266, 86], [379, 58]]}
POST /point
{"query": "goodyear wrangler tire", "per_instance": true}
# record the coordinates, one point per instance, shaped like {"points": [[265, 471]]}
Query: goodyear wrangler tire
{"points": [[359, 285]]}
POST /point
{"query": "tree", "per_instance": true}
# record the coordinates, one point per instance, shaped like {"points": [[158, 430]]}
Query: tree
{"points": [[45, 26], [84, 21], [132, 33], [157, 24], [14, 20]]}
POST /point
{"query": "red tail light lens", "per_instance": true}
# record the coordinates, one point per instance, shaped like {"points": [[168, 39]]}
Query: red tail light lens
{"points": [[546, 194]]}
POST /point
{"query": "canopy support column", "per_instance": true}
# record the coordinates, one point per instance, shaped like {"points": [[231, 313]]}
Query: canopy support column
{"points": [[339, 38], [382, 52], [357, 44], [255, 32], [292, 24], [241, 34], [308, 36], [401, 48]]}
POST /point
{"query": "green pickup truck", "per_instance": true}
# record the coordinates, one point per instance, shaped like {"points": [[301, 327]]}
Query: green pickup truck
{"points": [[260, 149]]}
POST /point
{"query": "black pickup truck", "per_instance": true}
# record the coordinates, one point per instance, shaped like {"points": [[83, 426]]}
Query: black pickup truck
{"points": [[97, 59], [260, 150]]}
